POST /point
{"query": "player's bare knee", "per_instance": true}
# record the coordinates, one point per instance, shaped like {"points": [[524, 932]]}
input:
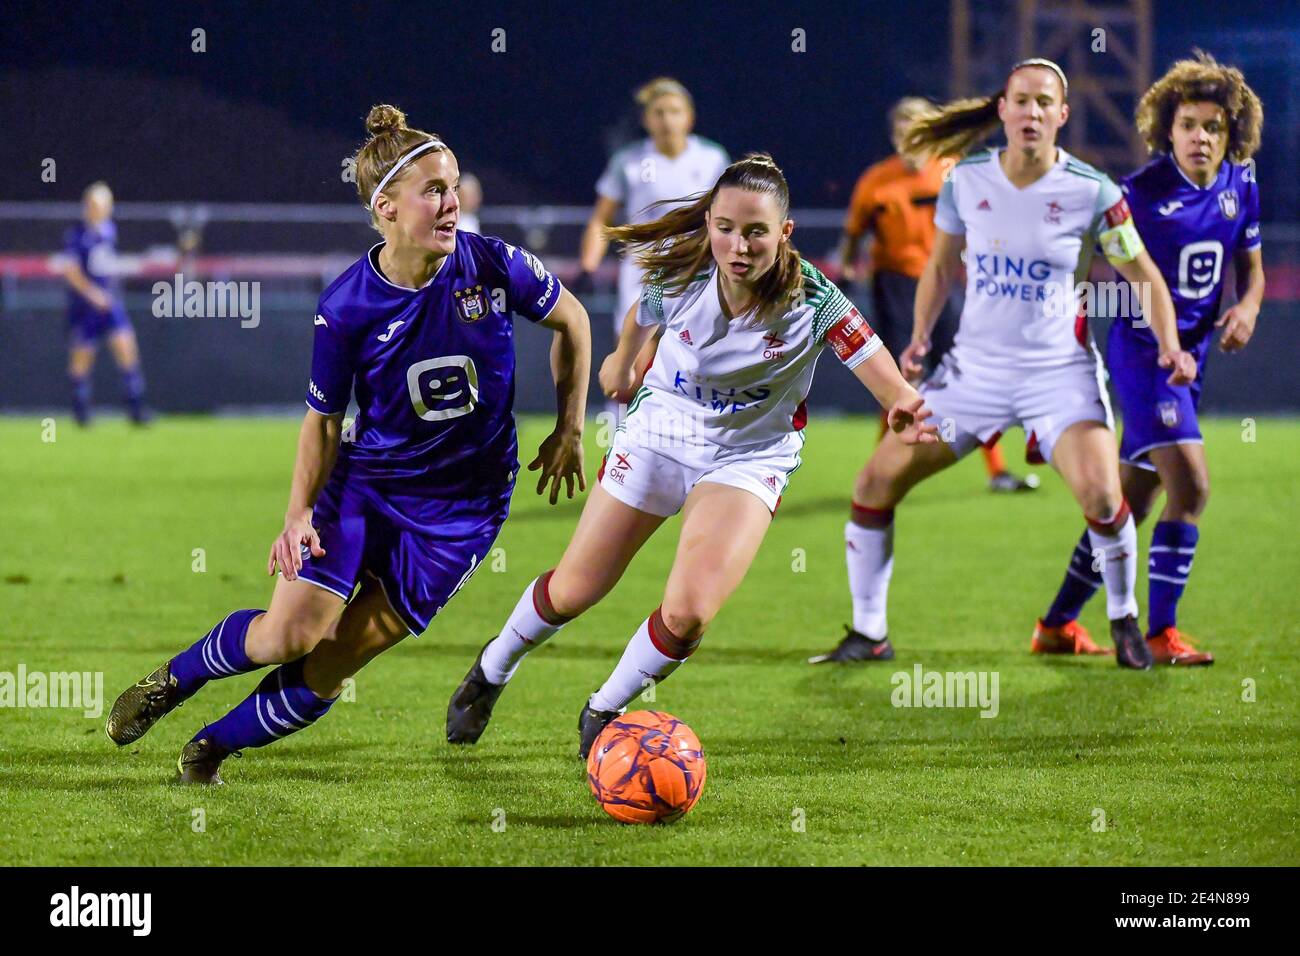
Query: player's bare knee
{"points": [[687, 615]]}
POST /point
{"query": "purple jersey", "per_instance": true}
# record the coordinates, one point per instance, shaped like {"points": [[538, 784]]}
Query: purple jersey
{"points": [[433, 368], [94, 249], [1190, 233]]}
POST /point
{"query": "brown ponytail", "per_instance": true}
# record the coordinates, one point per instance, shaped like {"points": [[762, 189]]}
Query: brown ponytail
{"points": [[674, 248], [953, 128]]}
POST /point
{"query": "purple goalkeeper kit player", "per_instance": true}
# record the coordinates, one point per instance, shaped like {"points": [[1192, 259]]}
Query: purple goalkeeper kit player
{"points": [[1196, 206], [387, 523]]}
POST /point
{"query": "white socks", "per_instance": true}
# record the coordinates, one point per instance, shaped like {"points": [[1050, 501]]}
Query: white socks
{"points": [[869, 553], [523, 631], [1118, 550], [642, 665]]}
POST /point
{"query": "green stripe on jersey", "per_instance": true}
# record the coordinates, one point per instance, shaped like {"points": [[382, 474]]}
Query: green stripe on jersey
{"points": [[653, 296], [829, 304], [983, 156]]}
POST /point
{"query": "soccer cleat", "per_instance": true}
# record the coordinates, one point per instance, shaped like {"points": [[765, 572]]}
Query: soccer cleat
{"points": [[1170, 647], [1005, 481], [1130, 646], [470, 708], [856, 647], [142, 705], [1070, 638], [200, 763], [590, 724]]}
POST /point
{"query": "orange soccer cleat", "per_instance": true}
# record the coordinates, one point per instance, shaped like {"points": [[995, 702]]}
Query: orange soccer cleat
{"points": [[1170, 647], [1070, 638]]}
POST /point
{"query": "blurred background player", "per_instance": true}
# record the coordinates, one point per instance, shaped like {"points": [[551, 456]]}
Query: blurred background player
{"points": [[1028, 216], [894, 201], [471, 200], [670, 164], [1195, 204], [383, 530], [95, 310], [714, 433]]}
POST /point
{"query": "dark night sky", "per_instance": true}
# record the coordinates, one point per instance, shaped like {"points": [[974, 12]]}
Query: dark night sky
{"points": [[270, 109]]}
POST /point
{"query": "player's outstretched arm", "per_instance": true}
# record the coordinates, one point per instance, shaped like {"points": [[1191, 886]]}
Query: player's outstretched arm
{"points": [[1238, 323], [621, 371], [1143, 272], [941, 271], [560, 455], [907, 413], [318, 445], [594, 244]]}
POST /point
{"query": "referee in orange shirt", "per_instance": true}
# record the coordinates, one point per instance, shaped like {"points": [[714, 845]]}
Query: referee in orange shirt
{"points": [[894, 201]]}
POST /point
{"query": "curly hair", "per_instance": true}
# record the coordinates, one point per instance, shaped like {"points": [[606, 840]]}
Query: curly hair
{"points": [[1202, 80]]}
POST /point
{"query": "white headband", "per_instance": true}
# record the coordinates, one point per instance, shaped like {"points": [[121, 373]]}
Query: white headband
{"points": [[424, 147], [1040, 61]]}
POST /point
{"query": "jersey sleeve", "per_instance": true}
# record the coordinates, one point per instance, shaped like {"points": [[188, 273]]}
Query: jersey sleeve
{"points": [[1250, 237], [1113, 225], [531, 290], [838, 323], [650, 307], [946, 216], [611, 184], [333, 366]]}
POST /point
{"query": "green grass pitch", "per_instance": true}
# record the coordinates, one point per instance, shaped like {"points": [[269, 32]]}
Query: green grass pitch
{"points": [[807, 765]]}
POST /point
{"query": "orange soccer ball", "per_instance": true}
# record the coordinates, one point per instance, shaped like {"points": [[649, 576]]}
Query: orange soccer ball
{"points": [[646, 767]]}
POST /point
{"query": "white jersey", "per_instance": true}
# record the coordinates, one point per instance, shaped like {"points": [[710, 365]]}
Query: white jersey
{"points": [[1026, 249], [734, 383], [638, 176]]}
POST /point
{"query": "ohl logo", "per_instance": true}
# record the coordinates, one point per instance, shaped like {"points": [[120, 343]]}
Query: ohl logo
{"points": [[774, 345], [1054, 210]]}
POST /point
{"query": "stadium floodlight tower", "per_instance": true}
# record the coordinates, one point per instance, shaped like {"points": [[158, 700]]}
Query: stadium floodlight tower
{"points": [[1104, 47]]}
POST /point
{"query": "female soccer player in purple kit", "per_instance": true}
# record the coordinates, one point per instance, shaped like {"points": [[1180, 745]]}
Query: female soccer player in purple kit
{"points": [[1195, 203], [420, 326], [95, 306]]}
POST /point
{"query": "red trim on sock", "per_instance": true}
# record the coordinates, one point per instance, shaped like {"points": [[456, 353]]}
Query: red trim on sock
{"points": [[871, 517], [665, 641], [542, 601], [1110, 526]]}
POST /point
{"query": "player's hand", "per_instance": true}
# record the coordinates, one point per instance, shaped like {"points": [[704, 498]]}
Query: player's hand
{"points": [[560, 458], [286, 550], [1238, 325], [907, 420], [1183, 365], [910, 364], [616, 381], [100, 299]]}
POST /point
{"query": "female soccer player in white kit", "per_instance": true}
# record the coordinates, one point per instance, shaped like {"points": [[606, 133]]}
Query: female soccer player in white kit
{"points": [[714, 432], [671, 162], [1027, 216]]}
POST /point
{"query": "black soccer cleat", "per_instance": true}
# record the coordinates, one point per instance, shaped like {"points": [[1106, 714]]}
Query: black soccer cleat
{"points": [[856, 647], [590, 724], [200, 763], [1007, 483], [142, 705], [1131, 648], [470, 708]]}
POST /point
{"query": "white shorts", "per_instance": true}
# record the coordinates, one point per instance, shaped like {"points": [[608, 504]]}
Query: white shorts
{"points": [[654, 478], [974, 403]]}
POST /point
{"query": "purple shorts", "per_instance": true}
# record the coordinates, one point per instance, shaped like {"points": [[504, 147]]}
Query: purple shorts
{"points": [[86, 326], [421, 550]]}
